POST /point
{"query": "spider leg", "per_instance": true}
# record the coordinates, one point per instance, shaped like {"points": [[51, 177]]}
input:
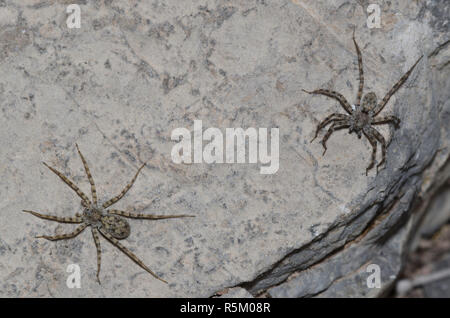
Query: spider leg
{"points": [[327, 120], [147, 216], [387, 120], [361, 72], [69, 183], [77, 231], [99, 252], [76, 219], [336, 126], [129, 253], [382, 141], [394, 89], [125, 190], [88, 173], [373, 142], [339, 97]]}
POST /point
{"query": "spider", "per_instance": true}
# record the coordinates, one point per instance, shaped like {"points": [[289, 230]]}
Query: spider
{"points": [[110, 223], [361, 117]]}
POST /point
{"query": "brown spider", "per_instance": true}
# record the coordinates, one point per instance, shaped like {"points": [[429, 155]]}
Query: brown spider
{"points": [[361, 117], [110, 223]]}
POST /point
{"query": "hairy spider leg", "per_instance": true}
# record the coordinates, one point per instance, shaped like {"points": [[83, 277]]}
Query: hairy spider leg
{"points": [[147, 216], [373, 142], [124, 191], [387, 120], [328, 120], [361, 72], [339, 97], [73, 219], [382, 141], [336, 126], [69, 183], [77, 231], [99, 251]]}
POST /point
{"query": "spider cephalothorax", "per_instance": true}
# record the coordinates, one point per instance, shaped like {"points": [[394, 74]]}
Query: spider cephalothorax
{"points": [[99, 218], [110, 223], [361, 117]]}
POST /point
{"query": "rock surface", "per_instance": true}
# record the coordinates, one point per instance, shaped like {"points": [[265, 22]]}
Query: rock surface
{"points": [[137, 70]]}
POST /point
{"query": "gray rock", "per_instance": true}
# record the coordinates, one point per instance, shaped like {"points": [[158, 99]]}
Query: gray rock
{"points": [[439, 288], [438, 213], [120, 85], [237, 292]]}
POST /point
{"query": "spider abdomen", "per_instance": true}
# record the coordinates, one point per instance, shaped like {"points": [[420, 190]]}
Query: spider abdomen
{"points": [[118, 227], [92, 215]]}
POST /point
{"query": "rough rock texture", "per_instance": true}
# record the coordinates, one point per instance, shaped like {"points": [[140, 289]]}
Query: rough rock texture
{"points": [[236, 292], [136, 70]]}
